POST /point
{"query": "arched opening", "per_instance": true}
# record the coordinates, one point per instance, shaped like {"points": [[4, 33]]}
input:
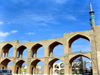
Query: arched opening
{"points": [[78, 65], [79, 43], [20, 67], [56, 66], [10, 67], [22, 52], [37, 51], [37, 67], [6, 65], [7, 51], [56, 49]]}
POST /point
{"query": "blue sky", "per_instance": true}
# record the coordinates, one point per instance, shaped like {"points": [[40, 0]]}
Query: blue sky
{"points": [[33, 20]]}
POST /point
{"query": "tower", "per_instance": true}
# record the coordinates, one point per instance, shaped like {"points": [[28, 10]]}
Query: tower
{"points": [[92, 17]]}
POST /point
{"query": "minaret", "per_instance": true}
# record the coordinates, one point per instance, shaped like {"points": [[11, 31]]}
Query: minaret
{"points": [[92, 17]]}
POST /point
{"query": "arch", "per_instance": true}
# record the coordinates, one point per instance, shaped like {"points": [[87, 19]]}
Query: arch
{"points": [[75, 37], [6, 49], [34, 50], [33, 66], [50, 65], [74, 57], [4, 63], [20, 51], [18, 66], [77, 64], [51, 47]]}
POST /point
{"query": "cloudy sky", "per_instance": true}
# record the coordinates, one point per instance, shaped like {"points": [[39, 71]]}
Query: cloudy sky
{"points": [[33, 20]]}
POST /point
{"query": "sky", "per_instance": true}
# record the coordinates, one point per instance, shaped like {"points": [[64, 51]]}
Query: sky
{"points": [[34, 20]]}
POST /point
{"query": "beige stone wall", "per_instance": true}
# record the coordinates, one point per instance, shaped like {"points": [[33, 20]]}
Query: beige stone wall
{"points": [[92, 35]]}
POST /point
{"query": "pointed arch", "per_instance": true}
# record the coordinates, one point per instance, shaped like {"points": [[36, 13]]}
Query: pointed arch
{"points": [[74, 57], [34, 50], [52, 46], [33, 66], [75, 37], [5, 50], [20, 50], [4, 63], [20, 62], [50, 65], [18, 66]]}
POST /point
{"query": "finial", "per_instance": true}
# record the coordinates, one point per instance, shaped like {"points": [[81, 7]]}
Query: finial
{"points": [[91, 6]]}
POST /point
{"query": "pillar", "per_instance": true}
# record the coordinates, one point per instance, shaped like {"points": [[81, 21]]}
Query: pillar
{"points": [[46, 52], [67, 71], [29, 54], [7, 54], [34, 70], [51, 53], [19, 70], [46, 69], [13, 69], [15, 53], [51, 70], [28, 70], [66, 49], [34, 53], [20, 54]]}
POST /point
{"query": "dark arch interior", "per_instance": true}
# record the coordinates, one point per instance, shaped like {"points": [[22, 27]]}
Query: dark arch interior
{"points": [[52, 46], [36, 68], [56, 60], [35, 49], [19, 65], [6, 50], [5, 64], [20, 51]]}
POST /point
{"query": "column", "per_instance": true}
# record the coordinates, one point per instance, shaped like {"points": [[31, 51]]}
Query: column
{"points": [[67, 69], [51, 52], [34, 70], [51, 70], [28, 70], [34, 54], [46, 52], [46, 69], [13, 69], [29, 54], [7, 54], [20, 54], [19, 70], [66, 49], [15, 52]]}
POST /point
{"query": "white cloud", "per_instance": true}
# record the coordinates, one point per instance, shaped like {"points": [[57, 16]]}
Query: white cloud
{"points": [[4, 34], [14, 31], [1, 23], [30, 33]]}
